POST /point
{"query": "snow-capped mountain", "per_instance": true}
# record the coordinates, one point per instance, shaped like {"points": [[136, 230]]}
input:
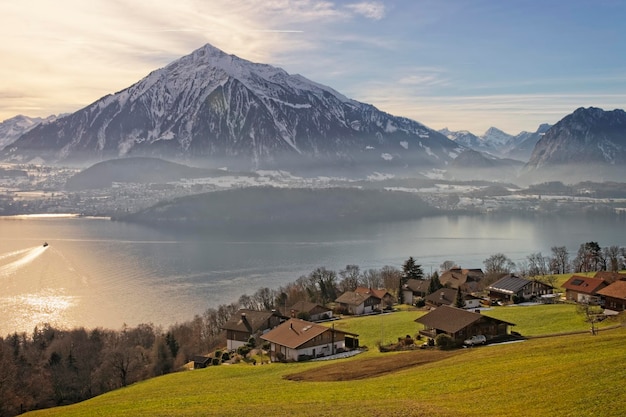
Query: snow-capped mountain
{"points": [[498, 143], [219, 109], [587, 135], [522, 145], [496, 138], [13, 128], [493, 141], [588, 141]]}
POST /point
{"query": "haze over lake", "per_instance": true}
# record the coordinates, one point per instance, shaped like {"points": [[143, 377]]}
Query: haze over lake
{"points": [[99, 273]]}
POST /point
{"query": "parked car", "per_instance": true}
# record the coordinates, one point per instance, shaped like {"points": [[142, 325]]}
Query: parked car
{"points": [[478, 339]]}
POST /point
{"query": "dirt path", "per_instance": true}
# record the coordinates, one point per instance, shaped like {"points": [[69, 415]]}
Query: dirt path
{"points": [[371, 367]]}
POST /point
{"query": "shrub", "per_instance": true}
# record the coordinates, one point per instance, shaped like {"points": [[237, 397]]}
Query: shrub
{"points": [[444, 341], [303, 315], [225, 357], [420, 303], [217, 354], [243, 350], [215, 361]]}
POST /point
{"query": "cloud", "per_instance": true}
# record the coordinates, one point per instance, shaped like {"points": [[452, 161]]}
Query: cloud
{"points": [[370, 9]]}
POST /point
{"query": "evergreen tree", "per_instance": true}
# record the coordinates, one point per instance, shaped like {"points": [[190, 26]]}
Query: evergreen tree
{"points": [[434, 284], [410, 270], [458, 301]]}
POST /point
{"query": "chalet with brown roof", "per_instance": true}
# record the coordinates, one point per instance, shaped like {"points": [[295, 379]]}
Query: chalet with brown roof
{"points": [[461, 324], [313, 311], [447, 296], [583, 289], [414, 289], [386, 298], [512, 288], [614, 296], [467, 279], [246, 323], [357, 304], [296, 340]]}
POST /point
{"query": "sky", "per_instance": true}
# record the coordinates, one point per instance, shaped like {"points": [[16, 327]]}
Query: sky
{"points": [[461, 64]]}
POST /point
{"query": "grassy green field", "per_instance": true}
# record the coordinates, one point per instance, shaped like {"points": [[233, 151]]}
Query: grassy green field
{"points": [[576, 375]]}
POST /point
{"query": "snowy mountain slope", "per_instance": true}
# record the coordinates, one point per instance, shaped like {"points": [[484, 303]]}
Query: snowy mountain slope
{"points": [[13, 128], [588, 144], [219, 109], [522, 145]]}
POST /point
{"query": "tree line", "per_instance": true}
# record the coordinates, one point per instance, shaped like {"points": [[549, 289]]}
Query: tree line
{"points": [[55, 366]]}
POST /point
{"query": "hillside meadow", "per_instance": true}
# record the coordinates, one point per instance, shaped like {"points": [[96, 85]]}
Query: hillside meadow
{"points": [[574, 375]]}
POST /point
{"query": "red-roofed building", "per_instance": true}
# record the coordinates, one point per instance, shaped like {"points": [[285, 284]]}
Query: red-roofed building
{"points": [[386, 298], [296, 339], [583, 289], [614, 296]]}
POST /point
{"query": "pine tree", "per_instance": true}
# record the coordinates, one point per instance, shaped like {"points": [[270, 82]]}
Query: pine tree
{"points": [[458, 301], [434, 284], [410, 270]]}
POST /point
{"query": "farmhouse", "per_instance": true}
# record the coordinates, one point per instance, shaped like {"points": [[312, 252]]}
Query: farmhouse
{"points": [[583, 289], [297, 340], [614, 296], [414, 289], [447, 296], [513, 288], [309, 311], [461, 324], [355, 303], [247, 323], [467, 279], [387, 299]]}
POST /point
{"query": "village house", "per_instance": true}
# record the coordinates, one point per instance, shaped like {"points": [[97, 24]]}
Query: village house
{"points": [[386, 298], [461, 324], [309, 311], [357, 304], [447, 296], [614, 296], [512, 288], [297, 340], [247, 323], [415, 289], [583, 289], [467, 279]]}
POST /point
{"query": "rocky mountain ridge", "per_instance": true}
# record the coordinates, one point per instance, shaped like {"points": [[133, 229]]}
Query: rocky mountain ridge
{"points": [[217, 109]]}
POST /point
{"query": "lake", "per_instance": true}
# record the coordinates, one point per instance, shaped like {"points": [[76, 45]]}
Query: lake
{"points": [[100, 273]]}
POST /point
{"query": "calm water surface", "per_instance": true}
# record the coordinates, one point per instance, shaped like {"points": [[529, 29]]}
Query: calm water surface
{"points": [[96, 272]]}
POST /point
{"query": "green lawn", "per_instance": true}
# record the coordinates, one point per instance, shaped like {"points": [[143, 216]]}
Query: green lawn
{"points": [[577, 375]]}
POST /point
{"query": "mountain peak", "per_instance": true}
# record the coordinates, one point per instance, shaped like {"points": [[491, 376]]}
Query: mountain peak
{"points": [[218, 109]]}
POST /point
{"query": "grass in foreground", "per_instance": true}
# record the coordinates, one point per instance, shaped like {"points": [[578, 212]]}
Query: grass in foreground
{"points": [[573, 375]]}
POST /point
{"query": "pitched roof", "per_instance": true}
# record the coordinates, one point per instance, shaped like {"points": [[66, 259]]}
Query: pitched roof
{"points": [[249, 321], [380, 293], [451, 319], [295, 332], [587, 285], [308, 307], [417, 285], [509, 284], [447, 296], [615, 290], [442, 295], [353, 298]]}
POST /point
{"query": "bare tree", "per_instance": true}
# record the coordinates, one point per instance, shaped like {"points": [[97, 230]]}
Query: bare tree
{"points": [[447, 265], [559, 262], [537, 264], [498, 263], [612, 257], [592, 314], [350, 278]]}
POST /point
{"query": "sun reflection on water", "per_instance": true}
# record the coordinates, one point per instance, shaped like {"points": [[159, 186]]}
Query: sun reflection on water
{"points": [[47, 306]]}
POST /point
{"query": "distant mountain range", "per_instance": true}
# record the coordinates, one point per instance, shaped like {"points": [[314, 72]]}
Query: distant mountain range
{"points": [[498, 143], [211, 109], [216, 109]]}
